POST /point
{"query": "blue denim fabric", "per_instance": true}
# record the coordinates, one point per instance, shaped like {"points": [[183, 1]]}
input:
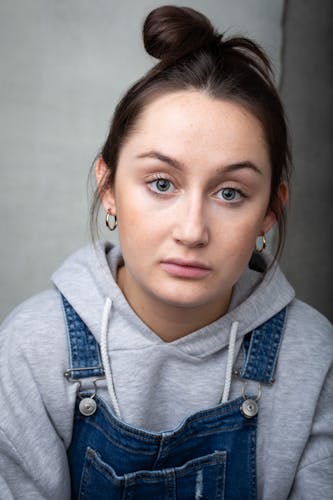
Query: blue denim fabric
{"points": [[261, 350], [211, 455], [85, 358]]}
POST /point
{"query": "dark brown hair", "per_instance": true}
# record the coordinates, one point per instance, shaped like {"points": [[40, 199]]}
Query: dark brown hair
{"points": [[193, 56]]}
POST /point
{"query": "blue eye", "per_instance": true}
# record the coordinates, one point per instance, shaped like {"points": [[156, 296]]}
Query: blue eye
{"points": [[161, 185], [230, 194]]}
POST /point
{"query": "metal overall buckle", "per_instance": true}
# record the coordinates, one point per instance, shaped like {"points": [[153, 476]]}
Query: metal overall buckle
{"points": [[87, 404], [249, 408]]}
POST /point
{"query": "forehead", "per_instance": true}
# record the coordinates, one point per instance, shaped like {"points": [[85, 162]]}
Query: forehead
{"points": [[194, 124]]}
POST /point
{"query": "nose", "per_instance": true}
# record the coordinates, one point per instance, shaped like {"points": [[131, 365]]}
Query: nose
{"points": [[191, 228]]}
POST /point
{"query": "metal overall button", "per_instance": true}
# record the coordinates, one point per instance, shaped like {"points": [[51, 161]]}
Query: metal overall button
{"points": [[87, 406], [249, 408]]}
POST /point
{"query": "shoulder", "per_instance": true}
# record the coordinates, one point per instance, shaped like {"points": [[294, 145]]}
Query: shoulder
{"points": [[307, 348], [35, 315], [34, 307], [33, 330], [307, 324]]}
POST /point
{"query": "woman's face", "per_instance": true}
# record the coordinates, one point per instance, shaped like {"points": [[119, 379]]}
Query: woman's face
{"points": [[191, 196]]}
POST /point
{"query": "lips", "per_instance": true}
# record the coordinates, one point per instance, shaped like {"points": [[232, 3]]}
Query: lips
{"points": [[186, 263], [185, 268]]}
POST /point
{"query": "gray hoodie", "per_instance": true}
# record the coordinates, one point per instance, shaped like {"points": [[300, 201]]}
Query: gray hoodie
{"points": [[158, 384]]}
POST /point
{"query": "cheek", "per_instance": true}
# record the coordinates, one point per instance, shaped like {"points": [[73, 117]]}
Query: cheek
{"points": [[139, 226], [239, 227]]}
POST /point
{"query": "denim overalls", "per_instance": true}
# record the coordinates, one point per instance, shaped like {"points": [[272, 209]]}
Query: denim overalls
{"points": [[210, 455]]}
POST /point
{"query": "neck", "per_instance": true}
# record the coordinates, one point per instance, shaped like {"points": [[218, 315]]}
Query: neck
{"points": [[170, 322]]}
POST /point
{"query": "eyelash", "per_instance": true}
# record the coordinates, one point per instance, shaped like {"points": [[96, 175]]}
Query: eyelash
{"points": [[238, 192], [158, 192], [156, 179]]}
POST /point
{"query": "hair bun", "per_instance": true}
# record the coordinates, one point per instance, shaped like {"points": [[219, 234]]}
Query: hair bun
{"points": [[170, 32]]}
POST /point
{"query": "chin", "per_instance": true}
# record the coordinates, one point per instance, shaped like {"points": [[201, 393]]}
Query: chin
{"points": [[183, 300]]}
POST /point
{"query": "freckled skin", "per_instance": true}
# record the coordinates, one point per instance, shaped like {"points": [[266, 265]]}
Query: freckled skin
{"points": [[191, 221]]}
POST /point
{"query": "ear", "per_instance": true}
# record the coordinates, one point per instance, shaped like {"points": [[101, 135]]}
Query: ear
{"points": [[283, 194], [107, 196], [270, 217]]}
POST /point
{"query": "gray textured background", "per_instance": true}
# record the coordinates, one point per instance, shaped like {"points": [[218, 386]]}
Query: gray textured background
{"points": [[64, 66], [307, 90]]}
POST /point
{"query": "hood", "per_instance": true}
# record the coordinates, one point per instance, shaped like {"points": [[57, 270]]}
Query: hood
{"points": [[87, 279]]}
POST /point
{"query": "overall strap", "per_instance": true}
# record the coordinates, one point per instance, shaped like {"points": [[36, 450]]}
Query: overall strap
{"points": [[260, 347], [84, 353], [261, 350]]}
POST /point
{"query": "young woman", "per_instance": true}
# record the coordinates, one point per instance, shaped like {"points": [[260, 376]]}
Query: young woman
{"points": [[180, 365]]}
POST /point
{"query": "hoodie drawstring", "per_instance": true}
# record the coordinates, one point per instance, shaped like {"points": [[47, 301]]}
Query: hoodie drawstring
{"points": [[230, 361], [105, 357]]}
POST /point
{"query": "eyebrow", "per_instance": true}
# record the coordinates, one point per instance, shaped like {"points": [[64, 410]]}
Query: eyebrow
{"points": [[220, 170]]}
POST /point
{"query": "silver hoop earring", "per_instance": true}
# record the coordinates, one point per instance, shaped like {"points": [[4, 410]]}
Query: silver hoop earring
{"points": [[263, 245], [112, 226]]}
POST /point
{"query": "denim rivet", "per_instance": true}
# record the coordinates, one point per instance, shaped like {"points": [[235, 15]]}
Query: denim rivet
{"points": [[249, 408], [87, 406]]}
